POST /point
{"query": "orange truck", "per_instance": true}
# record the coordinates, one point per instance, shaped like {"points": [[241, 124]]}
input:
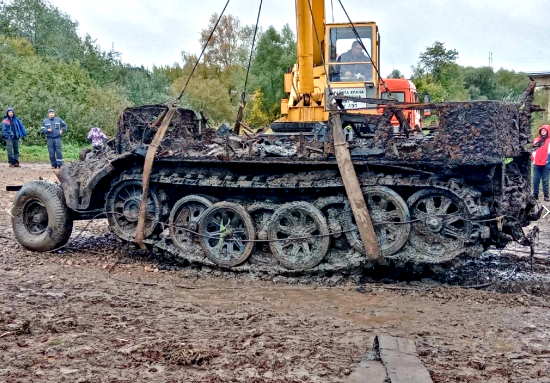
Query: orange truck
{"points": [[402, 90]]}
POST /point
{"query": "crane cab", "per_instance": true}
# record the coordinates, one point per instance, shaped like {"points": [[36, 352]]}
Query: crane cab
{"points": [[350, 69]]}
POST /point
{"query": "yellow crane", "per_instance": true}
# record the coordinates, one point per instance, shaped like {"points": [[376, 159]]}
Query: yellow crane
{"points": [[344, 57]]}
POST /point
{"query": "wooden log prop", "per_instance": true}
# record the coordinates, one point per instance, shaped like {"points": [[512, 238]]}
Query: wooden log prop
{"points": [[147, 168], [353, 190], [393, 360]]}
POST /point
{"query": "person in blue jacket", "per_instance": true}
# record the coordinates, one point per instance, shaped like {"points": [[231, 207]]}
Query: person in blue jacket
{"points": [[54, 128], [12, 131]]}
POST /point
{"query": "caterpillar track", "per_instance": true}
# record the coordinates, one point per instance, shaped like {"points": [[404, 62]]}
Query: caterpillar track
{"points": [[324, 194]]}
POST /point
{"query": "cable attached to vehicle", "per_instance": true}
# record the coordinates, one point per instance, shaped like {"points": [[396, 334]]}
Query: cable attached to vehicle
{"points": [[202, 52], [240, 113]]}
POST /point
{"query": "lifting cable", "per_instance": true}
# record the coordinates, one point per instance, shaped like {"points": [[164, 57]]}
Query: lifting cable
{"points": [[320, 46], [163, 123], [358, 38], [240, 113], [202, 52]]}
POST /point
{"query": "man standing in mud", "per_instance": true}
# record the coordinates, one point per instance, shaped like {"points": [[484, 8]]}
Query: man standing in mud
{"points": [[12, 131], [54, 127]]}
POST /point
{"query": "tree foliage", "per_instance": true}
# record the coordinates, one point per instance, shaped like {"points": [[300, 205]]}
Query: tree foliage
{"points": [[438, 75], [396, 73], [32, 84], [275, 55]]}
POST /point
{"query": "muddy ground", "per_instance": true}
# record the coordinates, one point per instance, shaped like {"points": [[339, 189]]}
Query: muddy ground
{"points": [[97, 312]]}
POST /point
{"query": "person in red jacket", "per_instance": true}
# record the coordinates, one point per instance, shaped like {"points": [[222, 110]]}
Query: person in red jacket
{"points": [[540, 160]]}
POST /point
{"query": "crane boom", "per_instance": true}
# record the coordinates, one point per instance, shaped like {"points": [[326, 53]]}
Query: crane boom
{"points": [[310, 26]]}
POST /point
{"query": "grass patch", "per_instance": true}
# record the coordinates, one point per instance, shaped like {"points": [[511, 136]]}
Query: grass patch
{"points": [[39, 153]]}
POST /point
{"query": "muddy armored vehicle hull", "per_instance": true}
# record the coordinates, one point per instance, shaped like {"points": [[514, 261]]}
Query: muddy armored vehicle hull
{"points": [[277, 202]]}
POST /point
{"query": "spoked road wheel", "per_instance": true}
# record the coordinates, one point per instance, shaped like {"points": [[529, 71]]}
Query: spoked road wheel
{"points": [[184, 219], [226, 234], [122, 207], [298, 235], [40, 218], [389, 214], [443, 226]]}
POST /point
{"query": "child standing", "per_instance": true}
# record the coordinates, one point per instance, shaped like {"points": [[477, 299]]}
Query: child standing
{"points": [[97, 138]]}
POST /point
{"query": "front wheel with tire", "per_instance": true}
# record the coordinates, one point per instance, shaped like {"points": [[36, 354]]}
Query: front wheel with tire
{"points": [[41, 220]]}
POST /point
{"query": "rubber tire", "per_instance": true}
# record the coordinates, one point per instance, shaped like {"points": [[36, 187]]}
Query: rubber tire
{"points": [[60, 223]]}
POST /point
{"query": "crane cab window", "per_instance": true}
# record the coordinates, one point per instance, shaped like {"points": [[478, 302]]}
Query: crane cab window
{"points": [[348, 60]]}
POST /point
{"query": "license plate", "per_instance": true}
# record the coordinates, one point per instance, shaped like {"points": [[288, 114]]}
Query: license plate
{"points": [[352, 92]]}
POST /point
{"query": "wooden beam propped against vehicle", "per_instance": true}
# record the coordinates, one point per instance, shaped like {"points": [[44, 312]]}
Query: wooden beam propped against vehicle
{"points": [[353, 190], [147, 168]]}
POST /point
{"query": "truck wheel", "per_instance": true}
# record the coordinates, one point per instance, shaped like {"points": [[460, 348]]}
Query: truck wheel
{"points": [[40, 218]]}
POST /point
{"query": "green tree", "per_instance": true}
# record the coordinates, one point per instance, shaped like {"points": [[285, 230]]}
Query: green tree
{"points": [[275, 55], [396, 73], [37, 83], [206, 95], [229, 44], [439, 76], [144, 86], [434, 58], [50, 32], [480, 82], [509, 84], [256, 117]]}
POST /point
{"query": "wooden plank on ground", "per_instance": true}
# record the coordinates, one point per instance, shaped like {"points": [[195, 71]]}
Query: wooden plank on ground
{"points": [[368, 371], [400, 358], [392, 360]]}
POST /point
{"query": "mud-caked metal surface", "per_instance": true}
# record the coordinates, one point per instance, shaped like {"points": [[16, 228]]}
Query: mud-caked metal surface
{"points": [[276, 202]]}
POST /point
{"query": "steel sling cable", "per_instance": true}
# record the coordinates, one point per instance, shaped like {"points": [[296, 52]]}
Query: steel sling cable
{"points": [[252, 50], [202, 52], [240, 112]]}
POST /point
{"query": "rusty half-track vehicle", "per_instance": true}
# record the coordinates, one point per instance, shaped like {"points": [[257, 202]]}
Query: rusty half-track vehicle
{"points": [[277, 201]]}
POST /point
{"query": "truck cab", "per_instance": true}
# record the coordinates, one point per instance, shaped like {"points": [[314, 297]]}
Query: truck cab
{"points": [[402, 90]]}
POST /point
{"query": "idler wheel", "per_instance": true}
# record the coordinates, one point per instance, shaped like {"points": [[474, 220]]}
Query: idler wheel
{"points": [[226, 231], [122, 208], [443, 225], [388, 212], [184, 219], [306, 223]]}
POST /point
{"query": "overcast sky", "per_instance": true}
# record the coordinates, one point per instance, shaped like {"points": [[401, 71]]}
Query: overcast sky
{"points": [[155, 32]]}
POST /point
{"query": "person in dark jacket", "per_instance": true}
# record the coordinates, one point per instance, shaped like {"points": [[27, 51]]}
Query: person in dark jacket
{"points": [[359, 70], [12, 131], [54, 128]]}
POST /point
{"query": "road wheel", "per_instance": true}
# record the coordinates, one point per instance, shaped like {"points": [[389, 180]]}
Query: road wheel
{"points": [[122, 207], [184, 219], [443, 226], [298, 235], [41, 220], [226, 234]]}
